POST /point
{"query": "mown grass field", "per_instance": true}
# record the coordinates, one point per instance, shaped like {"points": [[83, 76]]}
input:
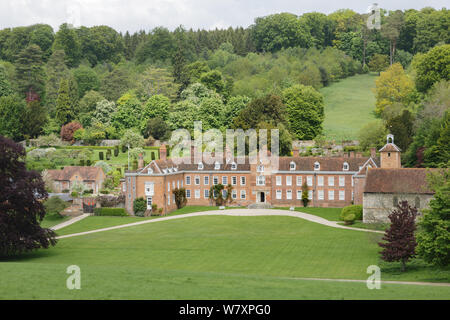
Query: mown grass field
{"points": [[349, 105], [216, 257]]}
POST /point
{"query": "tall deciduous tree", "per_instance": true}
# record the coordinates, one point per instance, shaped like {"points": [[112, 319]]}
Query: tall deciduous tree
{"points": [[400, 241], [434, 227], [393, 86], [432, 67], [21, 207], [391, 30], [34, 119], [304, 106]]}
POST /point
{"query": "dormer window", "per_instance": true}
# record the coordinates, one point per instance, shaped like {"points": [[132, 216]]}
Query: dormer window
{"points": [[149, 171], [292, 166], [164, 171], [316, 166], [260, 168], [200, 166], [233, 166], [217, 166], [345, 167]]}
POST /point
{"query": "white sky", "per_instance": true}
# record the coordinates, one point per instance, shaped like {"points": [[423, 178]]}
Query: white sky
{"points": [[134, 15]]}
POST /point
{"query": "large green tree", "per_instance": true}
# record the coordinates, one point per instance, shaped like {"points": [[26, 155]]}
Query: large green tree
{"points": [[432, 67], [434, 227], [304, 106], [30, 74], [282, 30], [12, 109], [64, 108], [86, 79], [66, 39], [56, 70]]}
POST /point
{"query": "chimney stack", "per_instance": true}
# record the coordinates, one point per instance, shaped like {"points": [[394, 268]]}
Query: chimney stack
{"points": [[140, 161], [352, 154], [163, 152], [373, 153]]}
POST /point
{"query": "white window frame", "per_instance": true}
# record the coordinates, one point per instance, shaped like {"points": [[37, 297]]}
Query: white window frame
{"points": [[188, 180], [331, 181], [200, 166], [309, 181], [289, 194], [216, 166], [320, 181], [197, 193], [299, 194], [345, 166], [215, 181], [299, 181], [341, 181], [310, 194], [292, 166], [289, 180], [330, 194], [206, 180], [320, 194], [234, 181], [316, 166], [234, 194], [243, 180], [261, 180], [206, 193], [278, 180], [197, 180], [279, 194], [243, 195], [342, 195], [225, 180], [188, 193]]}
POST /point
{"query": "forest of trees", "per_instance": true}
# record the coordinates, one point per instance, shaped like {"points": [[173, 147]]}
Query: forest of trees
{"points": [[103, 82]]}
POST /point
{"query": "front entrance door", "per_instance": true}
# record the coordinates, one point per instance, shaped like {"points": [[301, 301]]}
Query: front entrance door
{"points": [[262, 197]]}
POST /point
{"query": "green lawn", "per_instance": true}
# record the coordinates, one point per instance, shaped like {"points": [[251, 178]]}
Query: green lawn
{"points": [[349, 105], [97, 222], [52, 220], [215, 257], [332, 214]]}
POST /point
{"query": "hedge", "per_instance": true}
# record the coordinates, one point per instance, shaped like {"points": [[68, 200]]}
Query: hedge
{"points": [[357, 210], [110, 212]]}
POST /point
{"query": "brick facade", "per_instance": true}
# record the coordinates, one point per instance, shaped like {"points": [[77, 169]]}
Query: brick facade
{"points": [[330, 181]]}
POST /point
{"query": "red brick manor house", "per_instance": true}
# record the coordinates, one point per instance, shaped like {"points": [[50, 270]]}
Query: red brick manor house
{"points": [[332, 181]]}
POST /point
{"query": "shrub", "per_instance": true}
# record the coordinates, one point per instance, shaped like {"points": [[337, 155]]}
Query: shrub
{"points": [[139, 207], [119, 212], [116, 151], [66, 191], [88, 162], [104, 191], [55, 205], [124, 149], [68, 130], [100, 155], [74, 194], [86, 192], [356, 210], [349, 219]]}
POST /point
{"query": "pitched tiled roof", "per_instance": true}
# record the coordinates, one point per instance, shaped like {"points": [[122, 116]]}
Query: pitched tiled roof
{"points": [[86, 173], [326, 163], [302, 164], [404, 180], [390, 147]]}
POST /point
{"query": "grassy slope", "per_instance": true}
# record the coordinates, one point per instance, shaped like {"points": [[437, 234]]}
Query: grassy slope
{"points": [[348, 106], [52, 220], [93, 223], [215, 257]]}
